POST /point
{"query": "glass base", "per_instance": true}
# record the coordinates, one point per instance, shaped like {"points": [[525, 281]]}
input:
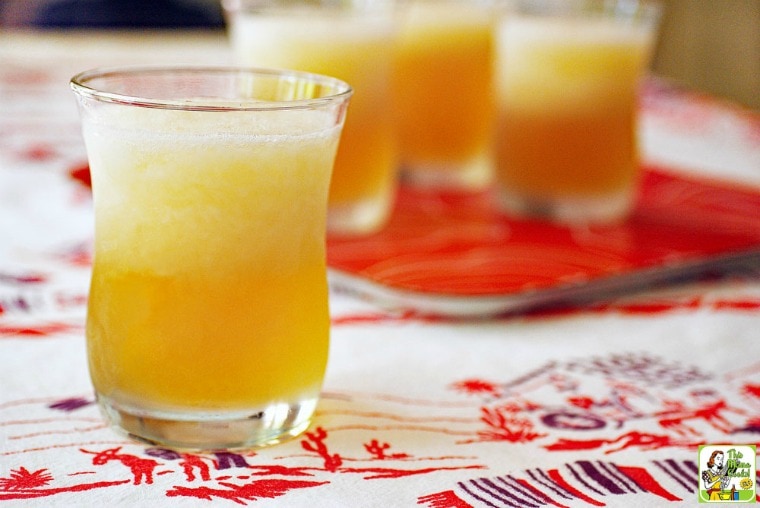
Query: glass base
{"points": [[606, 209], [211, 431], [475, 174], [362, 217]]}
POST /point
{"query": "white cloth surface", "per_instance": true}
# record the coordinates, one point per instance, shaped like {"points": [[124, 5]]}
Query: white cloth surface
{"points": [[555, 408]]}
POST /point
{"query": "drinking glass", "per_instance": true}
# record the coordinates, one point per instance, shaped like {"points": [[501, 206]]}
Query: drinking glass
{"points": [[443, 93], [567, 78], [352, 41], [207, 324]]}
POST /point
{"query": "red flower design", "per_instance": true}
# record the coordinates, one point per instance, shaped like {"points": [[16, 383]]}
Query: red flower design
{"points": [[22, 478], [477, 386]]}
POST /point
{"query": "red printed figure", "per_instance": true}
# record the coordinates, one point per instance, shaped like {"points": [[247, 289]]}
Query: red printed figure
{"points": [[142, 469], [315, 442], [711, 413], [190, 462]]}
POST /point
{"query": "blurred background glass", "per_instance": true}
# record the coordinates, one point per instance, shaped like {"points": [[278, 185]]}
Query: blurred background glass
{"points": [[567, 81], [443, 92], [351, 40]]}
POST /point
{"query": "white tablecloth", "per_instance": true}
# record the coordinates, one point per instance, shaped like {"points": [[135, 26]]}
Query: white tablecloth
{"points": [[602, 406]]}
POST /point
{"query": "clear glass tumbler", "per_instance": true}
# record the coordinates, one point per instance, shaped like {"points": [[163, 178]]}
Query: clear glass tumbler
{"points": [[351, 40], [567, 78], [208, 324], [443, 93]]}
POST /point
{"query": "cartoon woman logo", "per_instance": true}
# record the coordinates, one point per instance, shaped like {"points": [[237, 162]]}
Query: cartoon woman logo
{"points": [[714, 477]]}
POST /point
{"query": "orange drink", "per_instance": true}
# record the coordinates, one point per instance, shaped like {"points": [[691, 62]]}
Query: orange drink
{"points": [[443, 93], [351, 41], [208, 319], [566, 129]]}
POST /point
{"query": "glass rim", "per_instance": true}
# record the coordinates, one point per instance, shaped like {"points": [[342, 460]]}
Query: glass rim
{"points": [[78, 84], [643, 10], [329, 6]]}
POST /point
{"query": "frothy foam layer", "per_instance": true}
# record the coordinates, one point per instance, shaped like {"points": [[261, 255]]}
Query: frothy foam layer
{"points": [[229, 124], [278, 29], [184, 190], [571, 31], [432, 15], [568, 63]]}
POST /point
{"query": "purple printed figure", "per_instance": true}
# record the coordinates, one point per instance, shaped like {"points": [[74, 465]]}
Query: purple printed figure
{"points": [[71, 404], [227, 460], [188, 461]]}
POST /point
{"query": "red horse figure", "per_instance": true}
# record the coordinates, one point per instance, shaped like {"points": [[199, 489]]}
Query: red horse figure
{"points": [[141, 469]]}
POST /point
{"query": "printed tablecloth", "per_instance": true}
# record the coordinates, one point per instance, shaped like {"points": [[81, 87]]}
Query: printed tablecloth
{"points": [[604, 405]]}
